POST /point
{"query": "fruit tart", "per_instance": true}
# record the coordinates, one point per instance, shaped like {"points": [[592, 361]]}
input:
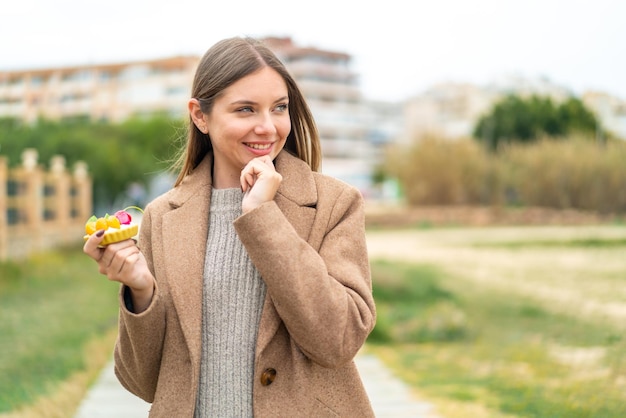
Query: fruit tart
{"points": [[117, 227]]}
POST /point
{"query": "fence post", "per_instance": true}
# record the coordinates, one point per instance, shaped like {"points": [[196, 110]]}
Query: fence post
{"points": [[41, 209], [32, 200], [82, 205], [58, 199], [4, 225]]}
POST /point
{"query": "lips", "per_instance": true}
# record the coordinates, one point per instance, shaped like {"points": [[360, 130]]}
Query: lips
{"points": [[260, 147]]}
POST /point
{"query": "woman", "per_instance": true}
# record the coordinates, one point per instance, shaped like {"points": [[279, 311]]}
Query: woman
{"points": [[251, 293]]}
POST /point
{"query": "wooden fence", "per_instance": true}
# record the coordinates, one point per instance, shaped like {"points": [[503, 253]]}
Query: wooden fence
{"points": [[42, 209]]}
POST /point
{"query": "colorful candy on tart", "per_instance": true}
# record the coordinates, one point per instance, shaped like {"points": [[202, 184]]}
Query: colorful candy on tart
{"points": [[117, 227]]}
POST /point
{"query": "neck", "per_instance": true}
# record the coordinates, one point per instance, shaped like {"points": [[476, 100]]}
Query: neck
{"points": [[226, 183], [224, 179]]}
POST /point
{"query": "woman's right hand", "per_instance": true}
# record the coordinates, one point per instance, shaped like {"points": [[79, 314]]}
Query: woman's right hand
{"points": [[259, 181], [123, 262]]}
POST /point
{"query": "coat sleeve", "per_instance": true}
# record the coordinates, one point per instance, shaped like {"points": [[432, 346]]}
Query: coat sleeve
{"points": [[140, 337], [323, 295]]}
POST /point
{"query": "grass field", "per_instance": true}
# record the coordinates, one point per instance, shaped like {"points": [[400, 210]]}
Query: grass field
{"points": [[58, 317], [481, 322], [505, 322]]}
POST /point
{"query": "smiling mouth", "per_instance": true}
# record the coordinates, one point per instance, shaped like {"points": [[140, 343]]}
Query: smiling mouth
{"points": [[259, 146]]}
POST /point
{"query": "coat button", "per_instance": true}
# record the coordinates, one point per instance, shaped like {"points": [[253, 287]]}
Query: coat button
{"points": [[268, 376]]}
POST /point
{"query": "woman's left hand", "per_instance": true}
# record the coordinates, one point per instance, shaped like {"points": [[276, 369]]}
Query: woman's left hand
{"points": [[259, 181]]}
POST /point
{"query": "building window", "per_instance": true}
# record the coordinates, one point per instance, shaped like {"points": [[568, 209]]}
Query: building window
{"points": [[15, 216], [175, 91], [37, 81]]}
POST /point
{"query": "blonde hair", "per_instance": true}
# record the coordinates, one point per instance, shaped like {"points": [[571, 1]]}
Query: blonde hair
{"points": [[222, 65]]}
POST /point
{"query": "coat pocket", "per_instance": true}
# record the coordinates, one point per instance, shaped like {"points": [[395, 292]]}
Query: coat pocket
{"points": [[321, 410]]}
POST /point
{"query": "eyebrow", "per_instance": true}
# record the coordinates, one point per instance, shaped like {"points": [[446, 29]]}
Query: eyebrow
{"points": [[250, 102]]}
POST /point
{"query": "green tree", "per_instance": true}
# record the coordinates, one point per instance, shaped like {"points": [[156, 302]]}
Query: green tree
{"points": [[117, 154], [517, 119], [577, 117]]}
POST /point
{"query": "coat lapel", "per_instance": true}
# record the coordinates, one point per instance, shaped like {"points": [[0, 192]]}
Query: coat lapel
{"points": [[185, 227]]}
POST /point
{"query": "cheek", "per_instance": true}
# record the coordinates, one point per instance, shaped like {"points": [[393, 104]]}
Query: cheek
{"points": [[283, 129], [227, 133]]}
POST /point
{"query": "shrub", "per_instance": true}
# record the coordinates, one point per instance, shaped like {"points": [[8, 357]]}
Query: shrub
{"points": [[567, 173], [573, 174], [442, 172]]}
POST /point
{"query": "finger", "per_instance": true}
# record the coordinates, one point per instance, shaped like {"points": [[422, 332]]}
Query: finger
{"points": [[92, 245], [121, 260], [130, 261], [110, 252], [112, 249], [243, 182], [263, 166], [130, 242], [247, 178], [257, 164], [253, 169], [267, 161], [250, 179]]}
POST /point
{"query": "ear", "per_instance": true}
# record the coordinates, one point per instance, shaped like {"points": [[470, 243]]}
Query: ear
{"points": [[196, 115]]}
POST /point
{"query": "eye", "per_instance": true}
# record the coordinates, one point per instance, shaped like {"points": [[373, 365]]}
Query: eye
{"points": [[245, 109], [282, 107]]}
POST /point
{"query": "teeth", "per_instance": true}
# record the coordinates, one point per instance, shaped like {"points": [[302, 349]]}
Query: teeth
{"points": [[259, 146]]}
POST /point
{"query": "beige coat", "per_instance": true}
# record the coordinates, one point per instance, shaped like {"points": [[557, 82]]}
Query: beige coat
{"points": [[309, 247]]}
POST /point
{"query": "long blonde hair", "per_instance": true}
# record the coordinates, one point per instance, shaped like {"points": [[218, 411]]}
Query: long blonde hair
{"points": [[222, 65]]}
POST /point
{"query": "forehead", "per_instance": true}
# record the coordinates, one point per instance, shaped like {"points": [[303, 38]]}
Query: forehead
{"points": [[265, 81]]}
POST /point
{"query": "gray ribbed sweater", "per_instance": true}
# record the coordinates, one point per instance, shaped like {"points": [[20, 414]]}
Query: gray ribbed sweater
{"points": [[233, 295]]}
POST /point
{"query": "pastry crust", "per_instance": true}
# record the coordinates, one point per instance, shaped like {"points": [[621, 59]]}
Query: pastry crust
{"points": [[116, 235]]}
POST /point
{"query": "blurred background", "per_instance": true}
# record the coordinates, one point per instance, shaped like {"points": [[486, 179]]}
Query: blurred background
{"points": [[375, 76], [448, 115]]}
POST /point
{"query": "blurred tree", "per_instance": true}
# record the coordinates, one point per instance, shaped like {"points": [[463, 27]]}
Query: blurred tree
{"points": [[517, 119], [577, 117]]}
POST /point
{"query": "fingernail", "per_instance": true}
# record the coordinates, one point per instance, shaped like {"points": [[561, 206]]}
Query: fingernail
{"points": [[100, 233]]}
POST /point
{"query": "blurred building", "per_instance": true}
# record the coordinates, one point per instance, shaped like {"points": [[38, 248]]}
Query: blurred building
{"points": [[451, 110], [447, 110], [104, 92], [609, 109], [353, 131]]}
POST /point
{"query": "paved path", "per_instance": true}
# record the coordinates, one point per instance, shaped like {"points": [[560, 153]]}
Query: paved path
{"points": [[390, 397]]}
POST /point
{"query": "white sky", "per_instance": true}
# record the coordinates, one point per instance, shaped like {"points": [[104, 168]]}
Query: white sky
{"points": [[399, 47]]}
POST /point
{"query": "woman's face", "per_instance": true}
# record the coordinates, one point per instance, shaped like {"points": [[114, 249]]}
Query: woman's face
{"points": [[250, 119]]}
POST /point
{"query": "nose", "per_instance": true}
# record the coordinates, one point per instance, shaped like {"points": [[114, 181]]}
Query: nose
{"points": [[265, 125]]}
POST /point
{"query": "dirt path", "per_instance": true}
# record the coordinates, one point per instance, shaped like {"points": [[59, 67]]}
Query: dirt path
{"points": [[571, 279]]}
